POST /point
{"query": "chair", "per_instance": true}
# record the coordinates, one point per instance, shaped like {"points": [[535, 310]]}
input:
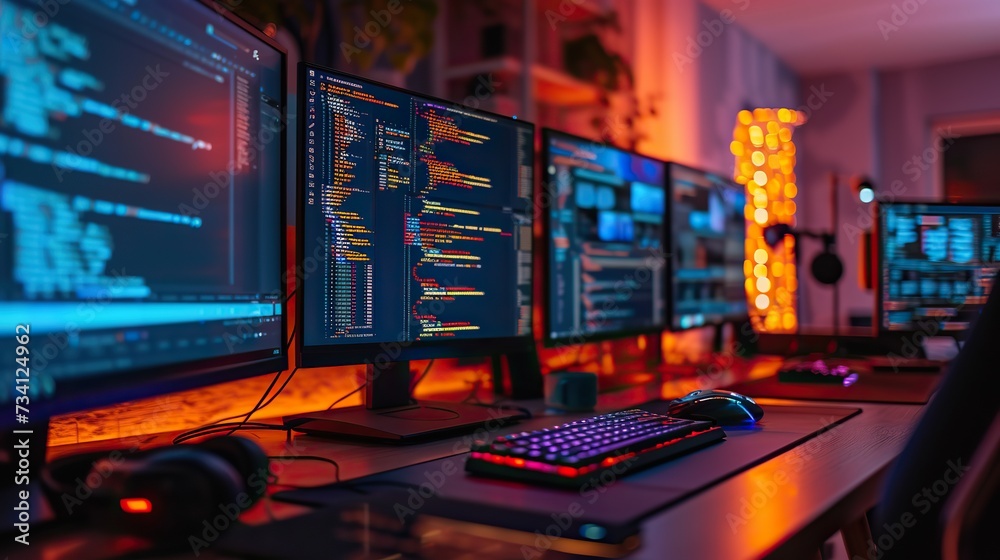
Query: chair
{"points": [[974, 510], [953, 426]]}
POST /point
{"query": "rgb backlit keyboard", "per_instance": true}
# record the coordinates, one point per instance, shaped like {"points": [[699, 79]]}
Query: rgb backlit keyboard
{"points": [[574, 453]]}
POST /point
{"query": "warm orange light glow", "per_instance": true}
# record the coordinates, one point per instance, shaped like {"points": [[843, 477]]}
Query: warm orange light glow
{"points": [[788, 321], [136, 505], [765, 163]]}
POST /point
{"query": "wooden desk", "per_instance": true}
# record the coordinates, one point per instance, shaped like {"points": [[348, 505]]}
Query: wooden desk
{"points": [[829, 482], [783, 508]]}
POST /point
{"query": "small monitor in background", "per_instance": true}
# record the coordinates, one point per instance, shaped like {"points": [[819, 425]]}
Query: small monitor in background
{"points": [[707, 247], [605, 218], [937, 264]]}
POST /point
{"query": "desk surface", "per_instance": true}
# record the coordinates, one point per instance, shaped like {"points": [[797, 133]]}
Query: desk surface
{"points": [[782, 508]]}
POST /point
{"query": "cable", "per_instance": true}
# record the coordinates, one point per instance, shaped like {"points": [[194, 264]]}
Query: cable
{"points": [[336, 402], [260, 403], [228, 427]]}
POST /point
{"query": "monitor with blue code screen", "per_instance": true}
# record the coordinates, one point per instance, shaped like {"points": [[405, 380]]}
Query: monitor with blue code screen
{"points": [[937, 264], [141, 198]]}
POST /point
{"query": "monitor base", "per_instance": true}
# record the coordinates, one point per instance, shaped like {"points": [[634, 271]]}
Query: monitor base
{"points": [[418, 421]]}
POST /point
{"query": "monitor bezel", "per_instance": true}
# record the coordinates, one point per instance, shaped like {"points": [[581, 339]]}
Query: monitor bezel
{"points": [[881, 331], [669, 242], [96, 391], [317, 355], [548, 340]]}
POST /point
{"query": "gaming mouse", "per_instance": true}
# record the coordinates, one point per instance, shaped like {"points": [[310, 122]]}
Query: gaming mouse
{"points": [[724, 407]]}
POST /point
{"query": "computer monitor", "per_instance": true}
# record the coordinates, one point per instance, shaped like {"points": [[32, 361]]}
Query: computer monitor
{"points": [[707, 244], [604, 223], [937, 262], [415, 213], [141, 200]]}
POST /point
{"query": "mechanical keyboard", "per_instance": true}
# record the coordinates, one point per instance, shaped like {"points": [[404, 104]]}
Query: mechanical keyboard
{"points": [[835, 372], [571, 454]]}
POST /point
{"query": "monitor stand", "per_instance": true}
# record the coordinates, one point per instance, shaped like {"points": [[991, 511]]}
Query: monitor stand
{"points": [[389, 414]]}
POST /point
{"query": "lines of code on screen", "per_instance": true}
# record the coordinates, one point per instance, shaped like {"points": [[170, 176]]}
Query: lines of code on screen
{"points": [[139, 184], [939, 262], [606, 224], [422, 209]]}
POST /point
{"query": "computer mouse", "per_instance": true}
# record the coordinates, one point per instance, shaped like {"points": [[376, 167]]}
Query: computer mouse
{"points": [[726, 408]]}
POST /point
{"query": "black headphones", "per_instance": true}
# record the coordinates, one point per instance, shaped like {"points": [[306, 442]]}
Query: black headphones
{"points": [[164, 494]]}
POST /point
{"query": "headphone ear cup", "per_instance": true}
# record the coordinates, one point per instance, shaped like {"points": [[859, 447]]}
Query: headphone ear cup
{"points": [[246, 457], [183, 486]]}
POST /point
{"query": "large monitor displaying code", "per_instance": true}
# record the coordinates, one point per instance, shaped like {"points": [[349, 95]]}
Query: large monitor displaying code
{"points": [[140, 187], [938, 262], [422, 208], [605, 217], [707, 244]]}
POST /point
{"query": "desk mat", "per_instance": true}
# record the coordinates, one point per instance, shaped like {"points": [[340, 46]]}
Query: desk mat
{"points": [[892, 388], [614, 502]]}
